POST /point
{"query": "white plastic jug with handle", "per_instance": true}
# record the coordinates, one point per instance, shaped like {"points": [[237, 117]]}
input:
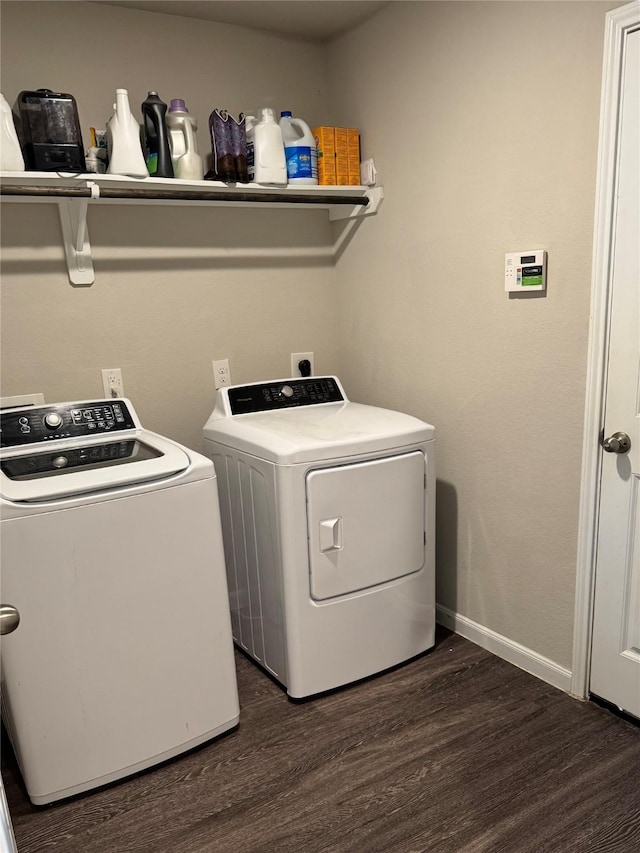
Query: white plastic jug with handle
{"points": [[187, 163], [300, 150], [123, 140], [268, 150], [11, 159]]}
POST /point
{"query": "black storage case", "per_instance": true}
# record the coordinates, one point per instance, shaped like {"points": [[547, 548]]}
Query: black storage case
{"points": [[50, 131]]}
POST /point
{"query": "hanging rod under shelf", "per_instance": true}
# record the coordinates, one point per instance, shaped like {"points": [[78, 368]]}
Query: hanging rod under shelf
{"points": [[133, 193], [73, 199]]}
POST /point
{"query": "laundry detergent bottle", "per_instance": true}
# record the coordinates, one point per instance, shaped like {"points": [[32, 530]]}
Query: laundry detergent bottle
{"points": [[156, 137], [123, 140], [187, 163], [300, 150], [268, 150]]}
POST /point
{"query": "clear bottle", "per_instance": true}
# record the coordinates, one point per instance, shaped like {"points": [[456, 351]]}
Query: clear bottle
{"points": [[300, 150], [156, 137], [187, 163], [268, 150], [123, 140]]}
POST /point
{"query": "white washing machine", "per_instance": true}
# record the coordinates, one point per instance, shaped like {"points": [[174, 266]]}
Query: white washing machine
{"points": [[327, 511], [112, 557]]}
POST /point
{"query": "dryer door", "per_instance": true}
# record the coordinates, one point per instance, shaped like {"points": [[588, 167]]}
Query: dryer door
{"points": [[366, 523]]}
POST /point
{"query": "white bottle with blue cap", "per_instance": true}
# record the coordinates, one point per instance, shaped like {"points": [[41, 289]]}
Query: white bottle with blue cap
{"points": [[300, 150]]}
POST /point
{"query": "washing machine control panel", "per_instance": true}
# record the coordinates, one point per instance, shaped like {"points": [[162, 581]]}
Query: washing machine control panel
{"points": [[52, 423], [268, 396]]}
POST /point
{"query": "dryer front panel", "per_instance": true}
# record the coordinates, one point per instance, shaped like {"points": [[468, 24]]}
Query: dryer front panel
{"points": [[366, 523]]}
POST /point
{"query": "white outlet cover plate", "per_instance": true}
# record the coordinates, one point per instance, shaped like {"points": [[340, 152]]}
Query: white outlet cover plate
{"points": [[221, 373], [301, 356], [112, 384]]}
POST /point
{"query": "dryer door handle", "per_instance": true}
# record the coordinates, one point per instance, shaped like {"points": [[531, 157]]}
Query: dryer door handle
{"points": [[331, 535]]}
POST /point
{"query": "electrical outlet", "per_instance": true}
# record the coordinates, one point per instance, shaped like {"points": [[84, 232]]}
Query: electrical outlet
{"points": [[221, 372], [112, 382], [296, 358]]}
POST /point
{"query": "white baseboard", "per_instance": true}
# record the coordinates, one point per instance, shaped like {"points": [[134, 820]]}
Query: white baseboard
{"points": [[503, 647]]}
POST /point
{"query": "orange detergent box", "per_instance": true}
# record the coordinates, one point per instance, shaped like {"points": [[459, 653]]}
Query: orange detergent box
{"points": [[353, 156], [326, 144], [342, 157]]}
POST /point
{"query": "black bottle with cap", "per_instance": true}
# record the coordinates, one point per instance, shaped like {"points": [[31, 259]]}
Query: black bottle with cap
{"points": [[156, 137]]}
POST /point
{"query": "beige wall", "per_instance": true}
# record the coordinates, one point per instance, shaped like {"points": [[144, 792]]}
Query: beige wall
{"points": [[482, 119], [161, 319], [483, 122]]}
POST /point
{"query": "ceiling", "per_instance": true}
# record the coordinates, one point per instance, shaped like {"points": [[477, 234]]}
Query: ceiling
{"points": [[313, 20]]}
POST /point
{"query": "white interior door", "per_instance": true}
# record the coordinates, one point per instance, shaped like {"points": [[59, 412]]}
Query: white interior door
{"points": [[615, 653]]}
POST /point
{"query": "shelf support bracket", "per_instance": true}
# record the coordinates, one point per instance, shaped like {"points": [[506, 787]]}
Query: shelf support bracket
{"points": [[375, 196], [75, 236]]}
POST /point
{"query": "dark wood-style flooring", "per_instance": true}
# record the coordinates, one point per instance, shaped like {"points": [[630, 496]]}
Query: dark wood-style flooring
{"points": [[455, 752]]}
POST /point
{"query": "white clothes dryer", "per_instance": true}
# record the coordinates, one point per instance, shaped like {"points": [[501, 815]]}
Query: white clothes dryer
{"points": [[112, 558], [327, 511]]}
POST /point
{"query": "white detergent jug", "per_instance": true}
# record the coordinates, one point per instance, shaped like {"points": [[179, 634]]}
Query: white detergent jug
{"points": [[268, 150], [300, 150], [123, 140], [11, 159], [187, 163]]}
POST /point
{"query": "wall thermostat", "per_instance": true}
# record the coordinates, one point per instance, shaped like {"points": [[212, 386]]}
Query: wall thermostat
{"points": [[525, 271]]}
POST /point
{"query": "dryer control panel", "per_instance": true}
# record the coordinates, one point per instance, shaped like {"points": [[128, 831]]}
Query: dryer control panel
{"points": [[284, 394], [71, 420]]}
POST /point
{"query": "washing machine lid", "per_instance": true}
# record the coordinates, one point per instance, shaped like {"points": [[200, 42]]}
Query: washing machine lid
{"points": [[71, 449], [292, 433]]}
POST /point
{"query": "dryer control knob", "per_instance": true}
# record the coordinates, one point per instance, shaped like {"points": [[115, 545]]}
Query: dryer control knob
{"points": [[59, 461], [286, 391], [52, 420]]}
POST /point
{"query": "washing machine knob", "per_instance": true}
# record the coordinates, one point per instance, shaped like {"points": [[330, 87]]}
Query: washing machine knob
{"points": [[52, 420], [59, 461], [286, 391]]}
